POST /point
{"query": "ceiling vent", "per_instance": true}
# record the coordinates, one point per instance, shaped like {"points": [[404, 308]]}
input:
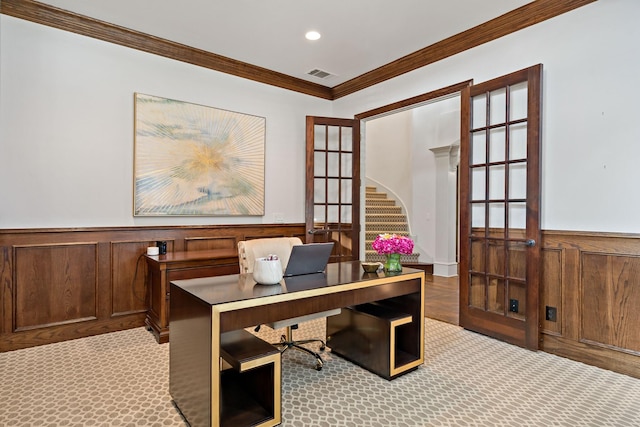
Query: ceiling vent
{"points": [[319, 73]]}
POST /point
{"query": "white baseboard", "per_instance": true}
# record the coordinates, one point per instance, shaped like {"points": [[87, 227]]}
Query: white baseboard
{"points": [[445, 269]]}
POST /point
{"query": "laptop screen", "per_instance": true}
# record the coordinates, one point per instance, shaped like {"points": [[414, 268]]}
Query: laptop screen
{"points": [[308, 259]]}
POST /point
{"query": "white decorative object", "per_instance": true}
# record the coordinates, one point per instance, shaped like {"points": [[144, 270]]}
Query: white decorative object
{"points": [[153, 250], [267, 271]]}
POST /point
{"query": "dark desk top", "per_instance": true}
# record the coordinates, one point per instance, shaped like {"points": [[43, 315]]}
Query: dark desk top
{"points": [[240, 287]]}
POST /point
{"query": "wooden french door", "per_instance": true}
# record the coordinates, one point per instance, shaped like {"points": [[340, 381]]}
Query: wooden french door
{"points": [[332, 208], [500, 207]]}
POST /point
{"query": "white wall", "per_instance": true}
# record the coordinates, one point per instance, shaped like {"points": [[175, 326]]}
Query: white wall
{"points": [[590, 108], [66, 120], [436, 128], [387, 155], [66, 129]]}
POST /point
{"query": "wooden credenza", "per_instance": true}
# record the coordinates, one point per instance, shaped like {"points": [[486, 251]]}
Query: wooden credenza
{"points": [[162, 269]]}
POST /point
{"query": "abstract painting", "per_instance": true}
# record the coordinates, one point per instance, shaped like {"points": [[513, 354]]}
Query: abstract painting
{"points": [[194, 160]]}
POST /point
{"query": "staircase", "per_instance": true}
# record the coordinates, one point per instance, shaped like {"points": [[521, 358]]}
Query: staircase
{"points": [[383, 216]]}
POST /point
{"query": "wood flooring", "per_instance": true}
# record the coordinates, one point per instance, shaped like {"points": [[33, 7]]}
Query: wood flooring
{"points": [[441, 298]]}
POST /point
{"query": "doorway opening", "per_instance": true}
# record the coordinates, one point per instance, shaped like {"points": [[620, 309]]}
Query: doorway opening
{"points": [[411, 152]]}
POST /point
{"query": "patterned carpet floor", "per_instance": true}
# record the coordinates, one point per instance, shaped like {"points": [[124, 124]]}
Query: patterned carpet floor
{"points": [[121, 379]]}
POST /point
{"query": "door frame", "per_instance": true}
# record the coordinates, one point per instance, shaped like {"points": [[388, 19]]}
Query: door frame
{"points": [[397, 107], [532, 334]]}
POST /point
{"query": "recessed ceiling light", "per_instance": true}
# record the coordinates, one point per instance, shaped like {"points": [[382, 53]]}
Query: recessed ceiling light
{"points": [[312, 35]]}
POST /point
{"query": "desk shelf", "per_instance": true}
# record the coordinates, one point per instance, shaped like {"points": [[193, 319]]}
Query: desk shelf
{"points": [[251, 390], [376, 336], [238, 407]]}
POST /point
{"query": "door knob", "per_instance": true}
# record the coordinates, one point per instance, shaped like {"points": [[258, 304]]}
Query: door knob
{"points": [[530, 242]]}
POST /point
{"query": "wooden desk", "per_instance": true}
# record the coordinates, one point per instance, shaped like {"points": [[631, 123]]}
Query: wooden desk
{"points": [[205, 310], [162, 269]]}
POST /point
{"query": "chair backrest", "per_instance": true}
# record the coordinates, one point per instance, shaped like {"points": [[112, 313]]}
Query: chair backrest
{"points": [[249, 250]]}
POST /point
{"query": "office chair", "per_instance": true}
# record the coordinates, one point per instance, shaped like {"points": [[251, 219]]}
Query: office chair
{"points": [[248, 251]]}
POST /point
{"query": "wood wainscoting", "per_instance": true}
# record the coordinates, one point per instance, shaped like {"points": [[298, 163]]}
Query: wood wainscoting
{"points": [[61, 284], [593, 281]]}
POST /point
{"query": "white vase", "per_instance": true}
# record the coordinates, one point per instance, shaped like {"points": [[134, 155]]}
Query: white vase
{"points": [[267, 272]]}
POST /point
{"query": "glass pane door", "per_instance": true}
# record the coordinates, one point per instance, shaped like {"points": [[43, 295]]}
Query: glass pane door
{"points": [[333, 185], [500, 207]]}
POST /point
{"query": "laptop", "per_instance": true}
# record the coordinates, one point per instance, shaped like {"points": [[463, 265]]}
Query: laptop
{"points": [[308, 259]]}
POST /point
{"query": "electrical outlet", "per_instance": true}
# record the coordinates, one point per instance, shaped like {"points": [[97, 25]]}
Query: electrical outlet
{"points": [[513, 305], [551, 314]]}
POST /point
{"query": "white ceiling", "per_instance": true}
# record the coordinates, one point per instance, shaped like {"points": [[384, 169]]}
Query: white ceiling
{"points": [[357, 35]]}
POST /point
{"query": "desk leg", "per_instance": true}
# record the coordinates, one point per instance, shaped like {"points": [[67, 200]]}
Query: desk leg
{"points": [[215, 367], [190, 364], [157, 320]]}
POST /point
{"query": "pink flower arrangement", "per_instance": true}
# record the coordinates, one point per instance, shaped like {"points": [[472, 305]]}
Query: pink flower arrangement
{"points": [[393, 244]]}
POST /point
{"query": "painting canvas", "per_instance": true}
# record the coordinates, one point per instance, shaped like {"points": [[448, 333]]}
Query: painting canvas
{"points": [[196, 160]]}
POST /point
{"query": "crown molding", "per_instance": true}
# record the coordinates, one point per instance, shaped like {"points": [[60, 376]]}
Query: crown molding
{"points": [[525, 16], [50, 16]]}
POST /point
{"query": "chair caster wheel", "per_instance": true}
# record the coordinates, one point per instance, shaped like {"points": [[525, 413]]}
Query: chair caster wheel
{"points": [[319, 367]]}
